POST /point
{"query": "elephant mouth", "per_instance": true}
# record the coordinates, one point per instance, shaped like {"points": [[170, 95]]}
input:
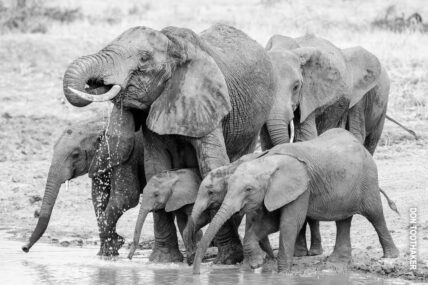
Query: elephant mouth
{"points": [[96, 91]]}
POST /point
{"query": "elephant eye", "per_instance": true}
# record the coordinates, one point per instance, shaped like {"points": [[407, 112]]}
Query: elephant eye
{"points": [[144, 56], [296, 86], [75, 155], [248, 189]]}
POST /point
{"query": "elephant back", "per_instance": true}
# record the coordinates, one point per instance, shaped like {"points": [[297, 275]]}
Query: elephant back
{"points": [[334, 160]]}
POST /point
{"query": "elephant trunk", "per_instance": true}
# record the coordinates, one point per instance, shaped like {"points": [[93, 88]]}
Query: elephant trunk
{"points": [[224, 213], [190, 231], [278, 122], [53, 185], [278, 130], [137, 232], [85, 75]]}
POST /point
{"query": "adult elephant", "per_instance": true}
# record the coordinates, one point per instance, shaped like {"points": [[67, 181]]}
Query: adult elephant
{"points": [[322, 87], [211, 91]]}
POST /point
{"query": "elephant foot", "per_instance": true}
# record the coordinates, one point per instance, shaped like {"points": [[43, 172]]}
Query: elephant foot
{"points": [[166, 255], [230, 253], [340, 257], [110, 246], [256, 260], [392, 252], [315, 250], [300, 251]]}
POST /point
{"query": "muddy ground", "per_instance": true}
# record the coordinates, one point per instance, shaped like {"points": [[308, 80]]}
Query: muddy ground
{"points": [[33, 113]]}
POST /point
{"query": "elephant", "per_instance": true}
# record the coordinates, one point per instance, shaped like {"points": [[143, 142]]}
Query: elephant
{"points": [[305, 179], [321, 87], [174, 191], [210, 92], [116, 183], [209, 197]]}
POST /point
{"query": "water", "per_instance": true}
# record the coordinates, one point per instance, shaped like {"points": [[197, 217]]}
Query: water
{"points": [[47, 264]]}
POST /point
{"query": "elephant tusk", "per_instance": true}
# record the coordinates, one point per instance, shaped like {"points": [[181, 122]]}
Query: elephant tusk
{"points": [[98, 98], [291, 131], [67, 185]]}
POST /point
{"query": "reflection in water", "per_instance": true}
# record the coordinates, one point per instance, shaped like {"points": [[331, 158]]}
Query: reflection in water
{"points": [[47, 264]]}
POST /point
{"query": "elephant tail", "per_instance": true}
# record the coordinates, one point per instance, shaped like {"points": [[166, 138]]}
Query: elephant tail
{"points": [[405, 128], [390, 202]]}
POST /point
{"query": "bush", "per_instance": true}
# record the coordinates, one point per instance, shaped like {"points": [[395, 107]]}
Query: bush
{"points": [[399, 23], [32, 17]]}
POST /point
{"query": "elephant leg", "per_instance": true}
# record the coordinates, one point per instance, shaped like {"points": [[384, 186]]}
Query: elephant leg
{"points": [[342, 249], [266, 247], [301, 247], [156, 160], [372, 139], [258, 227], [100, 196], [356, 123], [211, 153], [316, 247], [374, 213], [293, 216], [124, 196]]}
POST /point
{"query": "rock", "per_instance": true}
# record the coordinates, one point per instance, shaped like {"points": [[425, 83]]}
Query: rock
{"points": [[6, 115], [35, 198], [54, 240], [65, 243]]}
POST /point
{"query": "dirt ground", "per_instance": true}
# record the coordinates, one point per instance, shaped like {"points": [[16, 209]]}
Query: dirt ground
{"points": [[33, 113]]}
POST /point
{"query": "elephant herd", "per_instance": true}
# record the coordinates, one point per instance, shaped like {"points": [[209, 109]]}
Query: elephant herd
{"points": [[188, 112]]}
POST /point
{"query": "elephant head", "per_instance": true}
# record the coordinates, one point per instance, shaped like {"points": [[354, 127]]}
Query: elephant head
{"points": [[211, 193], [74, 152], [164, 73], [313, 74], [273, 180], [169, 190]]}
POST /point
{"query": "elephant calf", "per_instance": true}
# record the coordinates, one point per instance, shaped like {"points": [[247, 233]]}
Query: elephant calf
{"points": [[173, 191], [305, 179], [117, 177]]}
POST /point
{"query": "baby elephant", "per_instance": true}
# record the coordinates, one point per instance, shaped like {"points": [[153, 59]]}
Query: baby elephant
{"points": [[116, 166], [174, 191], [330, 178]]}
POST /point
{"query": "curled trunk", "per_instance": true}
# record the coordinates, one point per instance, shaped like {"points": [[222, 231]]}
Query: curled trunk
{"points": [[137, 232], [85, 74], [224, 213], [278, 131], [277, 123], [51, 193]]}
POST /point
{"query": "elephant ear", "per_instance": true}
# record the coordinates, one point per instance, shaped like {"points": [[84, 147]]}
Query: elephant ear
{"points": [[184, 190], [195, 99], [287, 182], [365, 69], [324, 79], [112, 151]]}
